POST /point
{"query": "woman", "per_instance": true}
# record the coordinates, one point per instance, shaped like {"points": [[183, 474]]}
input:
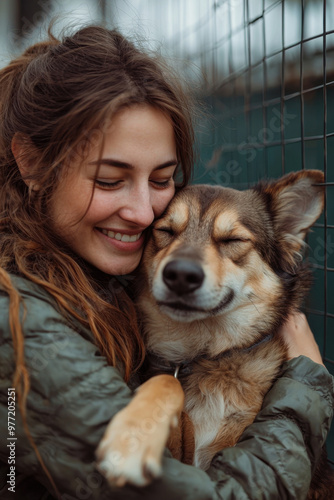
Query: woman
{"points": [[96, 136]]}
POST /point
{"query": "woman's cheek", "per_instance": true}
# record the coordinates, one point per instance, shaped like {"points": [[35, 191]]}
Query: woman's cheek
{"points": [[162, 199]]}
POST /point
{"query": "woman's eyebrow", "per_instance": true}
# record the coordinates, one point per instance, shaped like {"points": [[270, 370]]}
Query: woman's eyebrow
{"points": [[122, 164]]}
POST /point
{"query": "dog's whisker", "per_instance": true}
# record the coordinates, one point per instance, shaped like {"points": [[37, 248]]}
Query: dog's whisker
{"points": [[254, 304]]}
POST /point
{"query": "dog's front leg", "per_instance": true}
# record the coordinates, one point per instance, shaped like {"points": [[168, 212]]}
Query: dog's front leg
{"points": [[132, 446]]}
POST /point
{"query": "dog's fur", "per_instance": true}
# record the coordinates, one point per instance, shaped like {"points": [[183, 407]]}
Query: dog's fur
{"points": [[221, 272]]}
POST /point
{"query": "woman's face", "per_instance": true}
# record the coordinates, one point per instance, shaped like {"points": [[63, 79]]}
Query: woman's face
{"points": [[134, 185]]}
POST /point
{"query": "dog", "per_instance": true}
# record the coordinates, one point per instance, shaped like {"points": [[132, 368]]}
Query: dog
{"points": [[221, 272]]}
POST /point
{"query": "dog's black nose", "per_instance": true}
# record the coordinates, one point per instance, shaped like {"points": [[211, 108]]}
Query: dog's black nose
{"points": [[183, 276]]}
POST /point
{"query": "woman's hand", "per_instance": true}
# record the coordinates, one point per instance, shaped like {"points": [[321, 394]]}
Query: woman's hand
{"points": [[299, 338]]}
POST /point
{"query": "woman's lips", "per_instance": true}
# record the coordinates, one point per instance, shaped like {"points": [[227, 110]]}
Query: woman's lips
{"points": [[123, 241], [122, 236]]}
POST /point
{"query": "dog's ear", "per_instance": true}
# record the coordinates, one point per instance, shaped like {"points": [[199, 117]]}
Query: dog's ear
{"points": [[295, 202]]}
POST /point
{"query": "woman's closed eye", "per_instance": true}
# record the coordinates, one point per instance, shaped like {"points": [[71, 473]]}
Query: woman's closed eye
{"points": [[107, 184], [161, 184]]}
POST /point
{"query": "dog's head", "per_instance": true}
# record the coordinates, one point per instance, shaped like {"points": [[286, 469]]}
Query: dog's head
{"points": [[221, 252]]}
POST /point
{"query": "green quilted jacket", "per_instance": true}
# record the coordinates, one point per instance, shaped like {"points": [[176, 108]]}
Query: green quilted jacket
{"points": [[74, 394]]}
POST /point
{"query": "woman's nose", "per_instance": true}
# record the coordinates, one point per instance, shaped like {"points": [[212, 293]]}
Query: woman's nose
{"points": [[138, 208]]}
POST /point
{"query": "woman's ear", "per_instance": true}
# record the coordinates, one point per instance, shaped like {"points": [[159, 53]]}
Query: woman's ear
{"points": [[25, 155]]}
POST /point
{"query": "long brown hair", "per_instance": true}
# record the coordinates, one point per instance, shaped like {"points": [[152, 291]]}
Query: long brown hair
{"points": [[57, 96]]}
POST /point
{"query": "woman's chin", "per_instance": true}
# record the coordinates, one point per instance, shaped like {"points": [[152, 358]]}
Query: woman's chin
{"points": [[119, 268]]}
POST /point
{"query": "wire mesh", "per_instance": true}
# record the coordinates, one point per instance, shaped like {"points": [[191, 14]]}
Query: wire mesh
{"points": [[271, 117]]}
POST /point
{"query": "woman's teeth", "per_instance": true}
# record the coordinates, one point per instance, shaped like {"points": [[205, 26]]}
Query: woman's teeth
{"points": [[122, 237]]}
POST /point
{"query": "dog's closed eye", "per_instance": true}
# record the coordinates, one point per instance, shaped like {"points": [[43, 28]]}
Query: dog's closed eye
{"points": [[167, 230], [233, 240]]}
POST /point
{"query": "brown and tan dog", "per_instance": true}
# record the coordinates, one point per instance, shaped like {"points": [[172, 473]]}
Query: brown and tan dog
{"points": [[221, 272]]}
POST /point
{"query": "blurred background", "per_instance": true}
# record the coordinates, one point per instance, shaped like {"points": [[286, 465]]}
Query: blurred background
{"points": [[264, 72]]}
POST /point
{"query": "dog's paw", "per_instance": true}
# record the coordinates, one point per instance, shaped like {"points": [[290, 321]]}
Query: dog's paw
{"points": [[128, 454], [119, 470], [132, 447]]}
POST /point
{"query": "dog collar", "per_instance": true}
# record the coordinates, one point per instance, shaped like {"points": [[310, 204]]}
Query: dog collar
{"points": [[157, 364]]}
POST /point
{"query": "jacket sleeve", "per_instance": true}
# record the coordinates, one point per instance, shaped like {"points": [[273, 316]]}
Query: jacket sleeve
{"points": [[74, 394]]}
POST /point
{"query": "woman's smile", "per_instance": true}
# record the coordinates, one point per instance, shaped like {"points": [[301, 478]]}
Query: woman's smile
{"points": [[123, 240], [121, 236]]}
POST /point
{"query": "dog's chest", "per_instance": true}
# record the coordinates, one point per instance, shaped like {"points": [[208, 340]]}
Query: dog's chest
{"points": [[207, 412], [221, 399]]}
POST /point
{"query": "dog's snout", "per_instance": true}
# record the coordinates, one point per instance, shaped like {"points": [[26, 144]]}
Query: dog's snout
{"points": [[183, 276]]}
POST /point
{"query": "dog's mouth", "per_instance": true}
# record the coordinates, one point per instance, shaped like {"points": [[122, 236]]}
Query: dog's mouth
{"points": [[178, 306]]}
